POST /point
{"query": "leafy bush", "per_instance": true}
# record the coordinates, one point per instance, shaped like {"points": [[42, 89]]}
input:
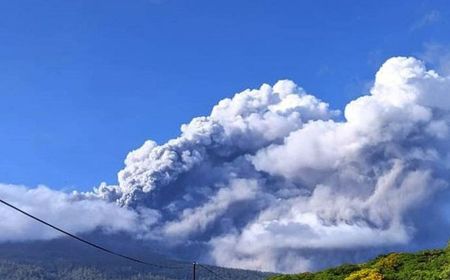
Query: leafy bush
{"points": [[365, 274], [424, 265]]}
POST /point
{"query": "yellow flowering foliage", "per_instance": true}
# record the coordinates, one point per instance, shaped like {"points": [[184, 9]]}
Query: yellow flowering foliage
{"points": [[388, 262], [424, 265], [366, 274]]}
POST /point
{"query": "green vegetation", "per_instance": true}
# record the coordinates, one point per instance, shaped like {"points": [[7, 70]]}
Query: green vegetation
{"points": [[424, 265], [66, 259], [16, 271], [64, 271]]}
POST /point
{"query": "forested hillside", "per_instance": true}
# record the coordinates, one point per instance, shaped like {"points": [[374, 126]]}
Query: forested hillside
{"points": [[66, 271], [18, 271], [65, 259], [424, 265]]}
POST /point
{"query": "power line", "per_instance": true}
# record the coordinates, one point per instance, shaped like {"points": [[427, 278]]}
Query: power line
{"points": [[108, 250], [88, 242], [210, 271]]}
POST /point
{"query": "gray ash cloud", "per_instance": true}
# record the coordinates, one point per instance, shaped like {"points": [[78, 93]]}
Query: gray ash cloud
{"points": [[274, 179]]}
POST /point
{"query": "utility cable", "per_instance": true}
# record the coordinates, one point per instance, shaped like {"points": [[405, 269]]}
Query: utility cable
{"points": [[210, 271], [88, 242]]}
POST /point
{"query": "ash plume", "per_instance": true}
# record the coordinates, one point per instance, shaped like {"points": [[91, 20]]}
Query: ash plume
{"points": [[274, 179]]}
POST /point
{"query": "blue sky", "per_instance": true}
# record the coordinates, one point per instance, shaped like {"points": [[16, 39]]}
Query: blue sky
{"points": [[84, 82]]}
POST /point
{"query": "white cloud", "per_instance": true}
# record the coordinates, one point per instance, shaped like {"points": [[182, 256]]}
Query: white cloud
{"points": [[437, 55], [274, 179], [197, 219], [61, 209]]}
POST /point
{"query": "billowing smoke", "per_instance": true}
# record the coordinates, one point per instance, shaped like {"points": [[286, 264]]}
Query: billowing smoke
{"points": [[274, 179], [62, 209]]}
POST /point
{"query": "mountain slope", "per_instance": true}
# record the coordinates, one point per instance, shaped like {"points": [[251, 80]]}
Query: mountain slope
{"points": [[424, 265], [66, 259]]}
